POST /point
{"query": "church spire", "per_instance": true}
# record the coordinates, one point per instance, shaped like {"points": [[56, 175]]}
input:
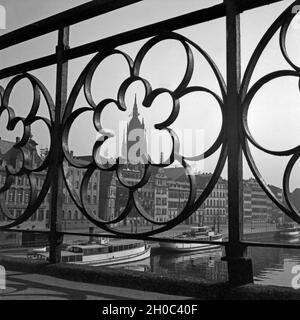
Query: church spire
{"points": [[135, 112]]}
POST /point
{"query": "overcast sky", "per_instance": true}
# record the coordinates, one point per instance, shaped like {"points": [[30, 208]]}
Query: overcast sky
{"points": [[274, 113]]}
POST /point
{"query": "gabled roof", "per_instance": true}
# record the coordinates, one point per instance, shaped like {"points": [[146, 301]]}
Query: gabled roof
{"points": [[203, 179], [9, 153], [174, 173], [295, 197], [275, 189], [5, 146]]}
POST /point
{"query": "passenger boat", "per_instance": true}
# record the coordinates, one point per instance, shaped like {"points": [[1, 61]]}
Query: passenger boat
{"points": [[189, 257], [104, 254], [143, 266], [203, 233], [288, 231]]}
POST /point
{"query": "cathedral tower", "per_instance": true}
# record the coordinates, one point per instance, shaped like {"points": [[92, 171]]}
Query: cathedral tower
{"points": [[136, 142]]}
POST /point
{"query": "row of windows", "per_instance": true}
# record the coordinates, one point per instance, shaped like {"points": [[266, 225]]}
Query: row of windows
{"points": [[176, 204], [261, 202], [162, 211], [41, 215], [220, 186], [176, 194], [89, 199], [161, 201], [77, 185], [76, 215], [259, 209], [147, 204], [162, 219], [215, 203], [218, 194], [37, 216], [213, 220], [178, 185], [162, 182], [19, 196], [161, 190], [23, 181], [147, 194], [259, 216], [215, 211], [22, 196]]}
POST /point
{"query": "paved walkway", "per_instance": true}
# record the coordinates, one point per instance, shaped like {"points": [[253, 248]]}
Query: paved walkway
{"points": [[25, 286]]}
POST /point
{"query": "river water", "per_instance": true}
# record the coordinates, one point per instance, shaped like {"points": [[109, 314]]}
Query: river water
{"points": [[271, 266]]}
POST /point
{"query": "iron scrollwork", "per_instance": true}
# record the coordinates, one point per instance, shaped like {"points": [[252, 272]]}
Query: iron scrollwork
{"points": [[282, 24], [36, 197], [184, 88], [149, 167]]}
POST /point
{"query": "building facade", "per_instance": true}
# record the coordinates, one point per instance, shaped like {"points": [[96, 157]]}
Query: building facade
{"points": [[16, 199], [162, 198]]}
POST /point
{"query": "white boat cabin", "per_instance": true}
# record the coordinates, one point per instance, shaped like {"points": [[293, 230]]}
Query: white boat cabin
{"points": [[76, 252]]}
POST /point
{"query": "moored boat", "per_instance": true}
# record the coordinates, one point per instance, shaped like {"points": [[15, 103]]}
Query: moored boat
{"points": [[203, 233], [288, 231], [114, 252]]}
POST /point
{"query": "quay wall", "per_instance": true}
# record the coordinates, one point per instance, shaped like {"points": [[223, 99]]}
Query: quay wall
{"points": [[200, 289]]}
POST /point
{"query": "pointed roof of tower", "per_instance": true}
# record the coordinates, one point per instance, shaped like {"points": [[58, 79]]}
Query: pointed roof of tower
{"points": [[135, 112], [134, 122]]}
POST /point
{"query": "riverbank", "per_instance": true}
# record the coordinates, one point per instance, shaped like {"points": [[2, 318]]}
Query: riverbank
{"points": [[86, 276], [248, 228]]}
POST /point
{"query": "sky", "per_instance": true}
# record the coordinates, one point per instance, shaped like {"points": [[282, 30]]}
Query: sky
{"points": [[273, 114]]}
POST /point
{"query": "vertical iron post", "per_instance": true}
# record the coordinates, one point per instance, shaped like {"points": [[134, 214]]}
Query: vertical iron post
{"points": [[56, 237], [239, 267]]}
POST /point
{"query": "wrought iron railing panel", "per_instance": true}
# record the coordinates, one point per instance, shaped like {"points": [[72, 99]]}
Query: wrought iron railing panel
{"points": [[150, 167], [24, 168], [281, 24], [233, 138]]}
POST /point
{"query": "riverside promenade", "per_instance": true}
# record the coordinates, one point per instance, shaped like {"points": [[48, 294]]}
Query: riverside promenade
{"points": [[33, 286], [255, 229], [24, 283], [66, 282]]}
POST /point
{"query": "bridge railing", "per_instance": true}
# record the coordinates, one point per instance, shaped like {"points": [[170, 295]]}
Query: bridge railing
{"points": [[233, 140]]}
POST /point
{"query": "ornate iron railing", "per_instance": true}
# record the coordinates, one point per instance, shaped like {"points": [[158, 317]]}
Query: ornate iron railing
{"points": [[233, 139]]}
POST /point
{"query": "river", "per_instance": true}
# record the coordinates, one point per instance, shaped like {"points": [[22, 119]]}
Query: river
{"points": [[271, 266]]}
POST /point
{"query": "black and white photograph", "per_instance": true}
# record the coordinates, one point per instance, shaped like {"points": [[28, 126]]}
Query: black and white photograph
{"points": [[149, 154]]}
